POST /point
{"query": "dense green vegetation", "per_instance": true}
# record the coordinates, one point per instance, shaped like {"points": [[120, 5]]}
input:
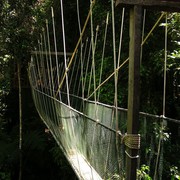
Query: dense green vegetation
{"points": [[42, 158]]}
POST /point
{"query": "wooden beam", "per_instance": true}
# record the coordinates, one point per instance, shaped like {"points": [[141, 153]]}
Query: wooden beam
{"points": [[133, 87], [163, 5]]}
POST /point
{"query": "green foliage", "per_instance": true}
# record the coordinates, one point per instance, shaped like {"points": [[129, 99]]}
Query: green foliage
{"points": [[160, 131], [175, 175], [4, 176], [4, 74], [152, 69], [171, 160], [143, 173]]}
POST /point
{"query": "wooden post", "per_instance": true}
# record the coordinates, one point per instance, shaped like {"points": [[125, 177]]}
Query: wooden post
{"points": [[134, 67], [133, 89]]}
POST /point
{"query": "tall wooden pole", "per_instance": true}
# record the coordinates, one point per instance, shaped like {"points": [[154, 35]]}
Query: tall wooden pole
{"points": [[133, 89]]}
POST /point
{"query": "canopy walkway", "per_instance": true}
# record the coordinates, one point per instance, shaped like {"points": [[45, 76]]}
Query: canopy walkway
{"points": [[67, 90]]}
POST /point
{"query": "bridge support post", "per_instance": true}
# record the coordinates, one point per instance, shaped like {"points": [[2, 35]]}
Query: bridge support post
{"points": [[133, 87]]}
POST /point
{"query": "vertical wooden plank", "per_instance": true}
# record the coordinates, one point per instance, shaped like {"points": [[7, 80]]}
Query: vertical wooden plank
{"points": [[133, 86]]}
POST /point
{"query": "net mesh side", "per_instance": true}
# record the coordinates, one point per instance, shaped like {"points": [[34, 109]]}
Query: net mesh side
{"points": [[88, 129]]}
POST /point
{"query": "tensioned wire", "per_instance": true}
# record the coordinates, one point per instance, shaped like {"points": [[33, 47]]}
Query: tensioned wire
{"points": [[118, 68], [103, 52], [43, 82], [42, 100], [83, 30], [72, 72], [97, 107], [77, 45], [49, 85], [93, 68], [143, 30], [116, 64], [66, 68], [120, 37], [81, 54], [55, 46], [94, 42], [81, 70], [85, 66], [142, 44], [81, 48], [48, 75], [42, 62], [50, 97], [66, 75], [100, 77], [38, 69], [88, 63], [76, 77], [50, 58], [146, 114], [160, 148], [80, 113], [165, 67], [38, 98], [115, 80], [93, 72], [64, 48]]}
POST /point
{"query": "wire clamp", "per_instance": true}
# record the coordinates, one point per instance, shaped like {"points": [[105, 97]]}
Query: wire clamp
{"points": [[132, 141]]}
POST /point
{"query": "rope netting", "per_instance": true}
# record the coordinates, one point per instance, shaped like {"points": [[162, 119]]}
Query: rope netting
{"points": [[67, 89]]}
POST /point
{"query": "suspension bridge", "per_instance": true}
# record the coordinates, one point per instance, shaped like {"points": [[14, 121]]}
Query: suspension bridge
{"points": [[100, 140]]}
